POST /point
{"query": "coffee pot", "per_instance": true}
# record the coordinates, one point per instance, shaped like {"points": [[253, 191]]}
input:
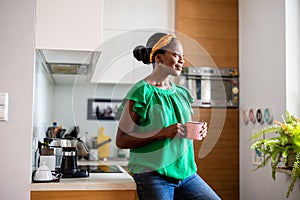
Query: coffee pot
{"points": [[69, 162], [42, 174], [68, 166], [69, 142]]}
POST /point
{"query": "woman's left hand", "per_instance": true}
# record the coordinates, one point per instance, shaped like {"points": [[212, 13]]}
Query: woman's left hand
{"points": [[203, 131]]}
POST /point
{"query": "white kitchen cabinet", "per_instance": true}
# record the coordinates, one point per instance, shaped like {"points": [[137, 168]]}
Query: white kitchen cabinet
{"points": [[126, 24], [155, 14], [115, 64], [69, 24], [119, 14], [114, 27], [138, 14]]}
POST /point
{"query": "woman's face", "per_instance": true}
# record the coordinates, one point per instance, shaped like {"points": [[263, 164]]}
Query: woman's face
{"points": [[172, 60]]}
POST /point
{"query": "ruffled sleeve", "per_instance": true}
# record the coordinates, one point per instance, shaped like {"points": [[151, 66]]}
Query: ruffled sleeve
{"points": [[140, 93]]}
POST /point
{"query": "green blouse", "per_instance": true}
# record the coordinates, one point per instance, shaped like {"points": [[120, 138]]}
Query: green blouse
{"points": [[157, 109]]}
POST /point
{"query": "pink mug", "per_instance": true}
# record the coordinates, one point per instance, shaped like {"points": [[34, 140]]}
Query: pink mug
{"points": [[193, 130]]}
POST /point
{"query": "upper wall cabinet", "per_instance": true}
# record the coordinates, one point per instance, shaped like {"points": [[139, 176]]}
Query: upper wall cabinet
{"points": [[127, 24], [118, 15], [137, 14], [113, 27], [69, 24], [155, 14]]}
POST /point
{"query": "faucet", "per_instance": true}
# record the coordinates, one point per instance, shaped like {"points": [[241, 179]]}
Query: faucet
{"points": [[84, 148], [102, 143]]}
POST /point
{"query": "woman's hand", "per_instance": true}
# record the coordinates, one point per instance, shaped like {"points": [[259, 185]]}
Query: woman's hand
{"points": [[127, 138], [203, 130], [174, 130], [196, 130]]}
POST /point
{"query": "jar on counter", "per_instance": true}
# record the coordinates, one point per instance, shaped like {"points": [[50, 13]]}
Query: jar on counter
{"points": [[47, 156]]}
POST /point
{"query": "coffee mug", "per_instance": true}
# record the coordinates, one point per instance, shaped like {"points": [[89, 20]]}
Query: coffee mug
{"points": [[193, 130]]}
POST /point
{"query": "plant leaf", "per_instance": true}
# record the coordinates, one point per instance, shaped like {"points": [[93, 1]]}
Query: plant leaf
{"points": [[260, 133]]}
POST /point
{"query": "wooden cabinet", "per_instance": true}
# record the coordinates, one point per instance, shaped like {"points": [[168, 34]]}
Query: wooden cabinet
{"points": [[217, 156], [86, 195], [214, 26], [69, 25]]}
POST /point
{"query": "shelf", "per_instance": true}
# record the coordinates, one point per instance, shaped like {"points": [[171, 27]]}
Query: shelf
{"points": [[284, 170]]}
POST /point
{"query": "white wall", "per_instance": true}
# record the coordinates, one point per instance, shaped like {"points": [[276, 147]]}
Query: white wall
{"points": [[43, 100], [67, 105], [262, 84], [71, 109], [16, 78]]}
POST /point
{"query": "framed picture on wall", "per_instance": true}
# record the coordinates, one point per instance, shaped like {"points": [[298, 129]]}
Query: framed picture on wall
{"points": [[257, 157], [103, 109]]}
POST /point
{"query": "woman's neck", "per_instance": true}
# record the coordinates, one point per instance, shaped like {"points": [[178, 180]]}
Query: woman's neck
{"points": [[158, 80]]}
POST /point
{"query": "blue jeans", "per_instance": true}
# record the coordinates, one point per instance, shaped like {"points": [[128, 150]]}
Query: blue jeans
{"points": [[153, 186]]}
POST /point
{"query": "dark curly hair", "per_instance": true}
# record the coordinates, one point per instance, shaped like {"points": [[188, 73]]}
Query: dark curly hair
{"points": [[142, 53]]}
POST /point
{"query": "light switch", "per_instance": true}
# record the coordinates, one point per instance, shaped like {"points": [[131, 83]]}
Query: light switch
{"points": [[3, 99], [3, 106], [3, 114]]}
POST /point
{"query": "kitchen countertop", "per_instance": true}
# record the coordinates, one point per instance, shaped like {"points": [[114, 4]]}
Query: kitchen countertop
{"points": [[96, 181]]}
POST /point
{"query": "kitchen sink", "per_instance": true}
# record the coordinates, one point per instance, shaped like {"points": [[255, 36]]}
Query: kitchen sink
{"points": [[101, 168]]}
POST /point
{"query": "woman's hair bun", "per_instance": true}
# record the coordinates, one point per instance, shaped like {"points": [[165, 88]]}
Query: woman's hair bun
{"points": [[141, 53]]}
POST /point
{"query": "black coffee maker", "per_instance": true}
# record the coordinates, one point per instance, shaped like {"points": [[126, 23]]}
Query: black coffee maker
{"points": [[69, 167]]}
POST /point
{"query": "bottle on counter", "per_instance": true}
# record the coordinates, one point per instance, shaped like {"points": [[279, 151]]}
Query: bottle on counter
{"points": [[121, 153], [94, 151], [103, 150], [55, 131]]}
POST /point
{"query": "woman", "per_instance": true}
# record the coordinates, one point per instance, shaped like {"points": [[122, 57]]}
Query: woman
{"points": [[154, 112]]}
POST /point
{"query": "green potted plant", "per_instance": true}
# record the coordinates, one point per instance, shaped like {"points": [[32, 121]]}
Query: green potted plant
{"points": [[285, 145]]}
